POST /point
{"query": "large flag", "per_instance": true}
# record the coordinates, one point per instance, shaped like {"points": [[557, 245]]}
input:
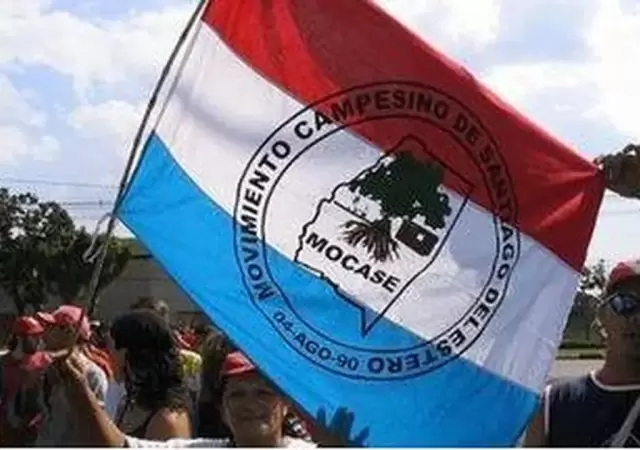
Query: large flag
{"points": [[373, 227]]}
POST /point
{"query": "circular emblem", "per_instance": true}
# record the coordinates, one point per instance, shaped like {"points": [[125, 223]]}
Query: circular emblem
{"points": [[378, 261]]}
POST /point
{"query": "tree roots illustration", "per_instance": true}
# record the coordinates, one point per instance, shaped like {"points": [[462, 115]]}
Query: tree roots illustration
{"points": [[375, 237]]}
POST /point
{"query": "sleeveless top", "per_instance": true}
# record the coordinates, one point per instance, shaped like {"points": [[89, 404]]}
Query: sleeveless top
{"points": [[141, 431], [133, 420], [582, 412]]}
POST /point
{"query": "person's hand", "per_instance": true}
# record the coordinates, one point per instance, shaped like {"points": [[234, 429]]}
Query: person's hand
{"points": [[71, 370], [622, 171], [98, 430], [338, 432]]}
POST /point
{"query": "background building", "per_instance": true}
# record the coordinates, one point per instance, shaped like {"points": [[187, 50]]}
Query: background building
{"points": [[143, 277]]}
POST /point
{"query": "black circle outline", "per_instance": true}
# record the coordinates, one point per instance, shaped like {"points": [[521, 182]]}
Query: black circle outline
{"points": [[426, 344]]}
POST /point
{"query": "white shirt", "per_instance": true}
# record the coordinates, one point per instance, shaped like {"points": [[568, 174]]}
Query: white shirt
{"points": [[132, 442], [115, 393], [59, 427]]}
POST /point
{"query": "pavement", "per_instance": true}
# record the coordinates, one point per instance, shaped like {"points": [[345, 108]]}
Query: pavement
{"points": [[574, 367]]}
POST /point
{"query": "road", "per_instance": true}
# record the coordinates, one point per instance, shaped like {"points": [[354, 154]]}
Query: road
{"points": [[574, 367]]}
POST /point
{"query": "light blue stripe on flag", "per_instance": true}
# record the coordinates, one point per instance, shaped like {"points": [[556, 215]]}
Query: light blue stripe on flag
{"points": [[193, 239]]}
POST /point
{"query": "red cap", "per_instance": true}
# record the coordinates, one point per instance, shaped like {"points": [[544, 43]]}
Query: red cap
{"points": [[180, 340], [45, 318], [35, 362], [622, 271], [236, 364], [27, 326], [70, 315]]}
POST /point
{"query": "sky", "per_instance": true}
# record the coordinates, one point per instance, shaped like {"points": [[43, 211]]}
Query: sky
{"points": [[75, 76]]}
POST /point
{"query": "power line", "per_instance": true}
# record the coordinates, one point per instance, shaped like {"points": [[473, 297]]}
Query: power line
{"points": [[63, 183], [93, 205], [76, 205], [85, 203]]}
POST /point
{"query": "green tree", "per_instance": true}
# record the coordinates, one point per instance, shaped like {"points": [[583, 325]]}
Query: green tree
{"points": [[404, 188], [591, 287], [593, 280], [41, 252]]}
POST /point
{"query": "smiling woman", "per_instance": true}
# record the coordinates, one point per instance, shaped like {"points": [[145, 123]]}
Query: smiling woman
{"points": [[251, 407]]}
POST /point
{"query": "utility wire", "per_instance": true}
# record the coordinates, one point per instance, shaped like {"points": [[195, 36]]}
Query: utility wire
{"points": [[62, 183]]}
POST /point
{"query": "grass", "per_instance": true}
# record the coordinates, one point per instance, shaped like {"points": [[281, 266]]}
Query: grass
{"points": [[587, 353]]}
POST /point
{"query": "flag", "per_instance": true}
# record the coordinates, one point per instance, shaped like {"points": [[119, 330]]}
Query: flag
{"points": [[373, 227]]}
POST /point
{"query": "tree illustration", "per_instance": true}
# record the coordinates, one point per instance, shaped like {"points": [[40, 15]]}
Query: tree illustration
{"points": [[404, 188]]}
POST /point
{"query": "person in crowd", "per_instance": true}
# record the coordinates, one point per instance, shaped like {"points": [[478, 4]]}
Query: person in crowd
{"points": [[589, 411], [86, 339], [602, 407], [99, 333], [160, 307], [191, 362], [21, 378], [68, 330], [210, 423], [252, 408], [98, 350], [45, 319], [179, 336], [190, 337], [205, 335], [156, 403]]}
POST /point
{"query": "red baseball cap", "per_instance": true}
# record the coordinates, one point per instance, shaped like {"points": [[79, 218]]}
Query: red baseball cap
{"points": [[623, 271], [45, 318], [181, 341], [35, 362], [27, 326], [69, 315], [236, 364]]}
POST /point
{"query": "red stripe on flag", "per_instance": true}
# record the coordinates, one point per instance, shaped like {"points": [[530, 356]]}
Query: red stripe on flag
{"points": [[312, 49]]}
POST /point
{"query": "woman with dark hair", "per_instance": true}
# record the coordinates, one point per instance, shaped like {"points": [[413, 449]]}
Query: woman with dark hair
{"points": [[156, 404]]}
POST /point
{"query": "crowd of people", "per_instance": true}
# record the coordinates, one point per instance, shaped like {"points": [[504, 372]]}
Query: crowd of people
{"points": [[139, 382], [149, 380]]}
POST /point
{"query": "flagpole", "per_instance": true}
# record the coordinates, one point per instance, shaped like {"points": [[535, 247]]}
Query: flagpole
{"points": [[92, 291]]}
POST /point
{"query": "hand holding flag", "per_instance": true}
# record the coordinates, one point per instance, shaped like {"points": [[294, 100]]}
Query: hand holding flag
{"points": [[622, 171]]}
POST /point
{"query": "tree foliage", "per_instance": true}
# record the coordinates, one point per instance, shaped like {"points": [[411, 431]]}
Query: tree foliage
{"points": [[403, 188], [593, 280], [591, 287], [41, 252]]}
